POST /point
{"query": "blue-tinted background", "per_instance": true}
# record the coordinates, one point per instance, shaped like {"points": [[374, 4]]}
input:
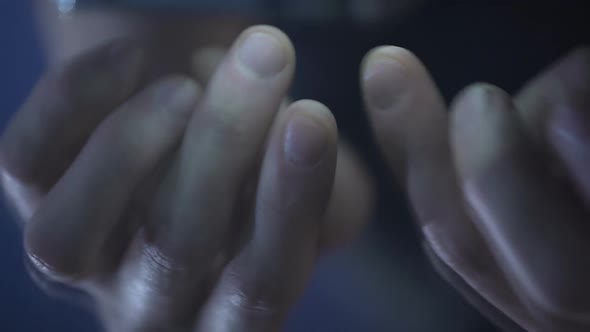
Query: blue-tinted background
{"points": [[382, 283]]}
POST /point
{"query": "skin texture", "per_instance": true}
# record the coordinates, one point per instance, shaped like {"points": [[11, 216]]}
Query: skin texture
{"points": [[498, 186], [176, 206]]}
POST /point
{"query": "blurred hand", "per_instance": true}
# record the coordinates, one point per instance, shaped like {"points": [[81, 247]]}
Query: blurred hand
{"points": [[500, 186], [152, 197]]}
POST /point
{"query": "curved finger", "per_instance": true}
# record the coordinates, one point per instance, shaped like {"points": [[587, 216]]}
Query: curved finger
{"points": [[65, 238], [564, 85], [220, 150], [65, 107], [222, 143], [264, 280], [532, 223], [556, 109], [410, 122]]}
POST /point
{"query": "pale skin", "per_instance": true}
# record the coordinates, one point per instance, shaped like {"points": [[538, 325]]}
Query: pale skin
{"points": [[498, 185], [218, 204], [182, 191]]}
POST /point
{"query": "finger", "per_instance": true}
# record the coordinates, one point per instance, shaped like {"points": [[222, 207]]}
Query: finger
{"points": [[66, 236], [63, 110], [205, 63], [220, 150], [563, 86], [570, 137], [410, 122], [223, 140], [351, 202], [532, 223], [262, 283], [556, 112]]}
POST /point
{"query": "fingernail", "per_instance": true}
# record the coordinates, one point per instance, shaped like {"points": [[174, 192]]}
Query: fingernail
{"points": [[306, 140], [176, 95], [262, 54], [384, 81]]}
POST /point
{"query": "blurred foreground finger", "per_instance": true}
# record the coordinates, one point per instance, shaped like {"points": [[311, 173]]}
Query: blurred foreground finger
{"points": [[65, 107], [67, 235], [533, 225], [565, 85]]}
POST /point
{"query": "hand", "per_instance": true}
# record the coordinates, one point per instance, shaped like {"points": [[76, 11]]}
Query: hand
{"points": [[195, 45], [499, 186], [212, 241]]}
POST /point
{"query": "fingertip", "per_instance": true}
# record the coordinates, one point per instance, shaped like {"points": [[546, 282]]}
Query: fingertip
{"points": [[482, 126], [277, 33], [476, 102], [264, 51], [385, 76], [404, 56]]}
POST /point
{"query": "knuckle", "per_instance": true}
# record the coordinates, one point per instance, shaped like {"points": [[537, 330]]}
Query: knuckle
{"points": [[57, 254], [255, 292], [175, 263], [162, 262], [253, 299], [56, 263]]}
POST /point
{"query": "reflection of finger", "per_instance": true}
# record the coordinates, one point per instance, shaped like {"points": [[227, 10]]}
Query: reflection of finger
{"points": [[64, 109], [220, 149], [68, 231], [206, 61], [411, 125], [264, 280], [530, 221], [563, 85]]}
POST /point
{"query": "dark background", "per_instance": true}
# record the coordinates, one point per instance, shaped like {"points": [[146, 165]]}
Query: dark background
{"points": [[381, 283]]}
